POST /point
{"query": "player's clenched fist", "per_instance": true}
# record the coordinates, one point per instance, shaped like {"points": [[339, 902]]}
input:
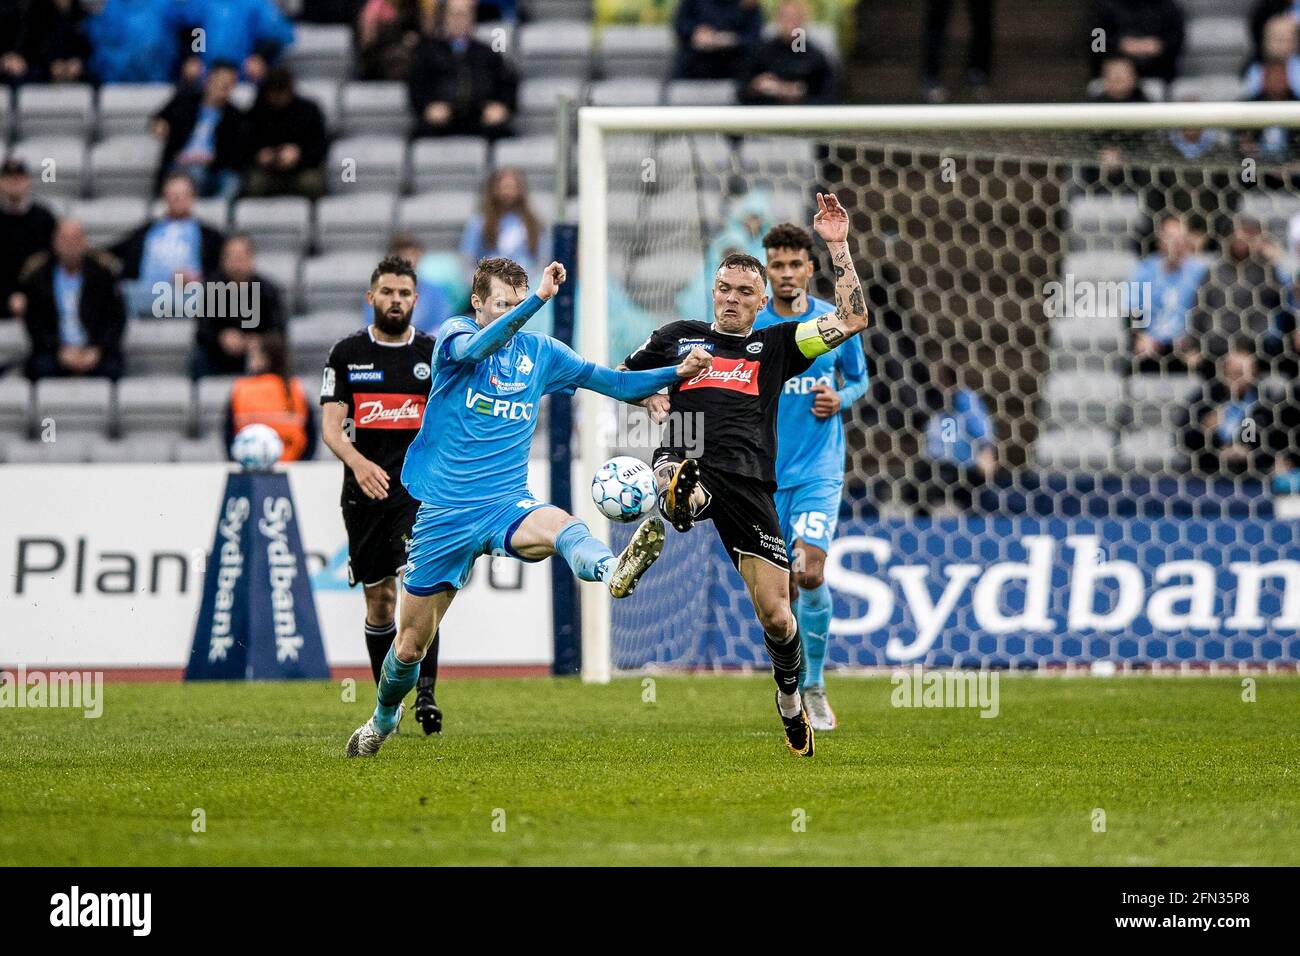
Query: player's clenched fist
{"points": [[372, 479], [697, 360], [552, 279], [832, 220]]}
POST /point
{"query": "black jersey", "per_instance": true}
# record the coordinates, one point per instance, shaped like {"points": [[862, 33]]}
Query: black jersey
{"points": [[385, 387], [734, 403]]}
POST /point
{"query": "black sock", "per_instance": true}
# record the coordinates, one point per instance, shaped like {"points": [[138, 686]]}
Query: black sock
{"points": [[787, 661], [379, 638], [429, 667]]}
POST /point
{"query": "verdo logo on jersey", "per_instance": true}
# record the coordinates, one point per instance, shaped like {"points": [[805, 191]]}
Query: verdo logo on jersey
{"points": [[737, 375], [388, 410], [804, 384], [498, 407]]}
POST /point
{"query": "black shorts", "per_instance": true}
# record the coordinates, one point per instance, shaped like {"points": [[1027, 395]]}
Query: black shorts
{"points": [[379, 533], [743, 513]]}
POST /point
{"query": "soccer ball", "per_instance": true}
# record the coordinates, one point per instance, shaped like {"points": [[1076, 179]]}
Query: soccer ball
{"points": [[256, 447], [623, 488]]}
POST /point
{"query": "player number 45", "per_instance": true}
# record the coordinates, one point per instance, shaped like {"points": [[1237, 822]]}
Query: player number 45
{"points": [[811, 524]]}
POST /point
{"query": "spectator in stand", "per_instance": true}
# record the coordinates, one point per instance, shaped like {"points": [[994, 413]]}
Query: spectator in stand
{"points": [[161, 249], [268, 395], [222, 342], [43, 41], [1230, 429], [459, 85], [387, 35], [1150, 32], [1243, 298], [26, 228], [1276, 144], [135, 41], [1265, 11], [286, 141], [505, 225], [1119, 84], [249, 33], [788, 69], [715, 38], [1281, 44], [203, 134], [960, 450], [979, 56], [74, 312], [1169, 278]]}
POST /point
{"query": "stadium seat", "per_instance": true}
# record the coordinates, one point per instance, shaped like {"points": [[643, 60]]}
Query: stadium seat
{"points": [[784, 158], [636, 51], [656, 278], [1274, 209], [372, 163], [1211, 88], [439, 218], [1082, 397], [279, 222], [1149, 450], [321, 51], [315, 334], [1089, 333], [125, 165], [6, 113], [336, 281], [68, 448], [211, 447], [125, 108], [14, 344], [625, 157], [75, 405], [446, 165], [362, 220], [1215, 44], [57, 164], [213, 395], [535, 155], [56, 109], [538, 102], [555, 47], [1076, 449], [142, 449], [1170, 389], [15, 402], [579, 10], [159, 404], [626, 91], [282, 267], [325, 94], [1100, 266], [107, 218], [215, 212], [159, 346], [1104, 223], [700, 93], [374, 109]]}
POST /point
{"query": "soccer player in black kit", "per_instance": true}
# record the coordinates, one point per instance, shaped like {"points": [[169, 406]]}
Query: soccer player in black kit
{"points": [[373, 394], [735, 401]]}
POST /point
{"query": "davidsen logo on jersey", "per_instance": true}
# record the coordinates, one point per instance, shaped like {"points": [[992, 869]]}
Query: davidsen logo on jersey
{"points": [[498, 407], [389, 410], [737, 375], [372, 375]]}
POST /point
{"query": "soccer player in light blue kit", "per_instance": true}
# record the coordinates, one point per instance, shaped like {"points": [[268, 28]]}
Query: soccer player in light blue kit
{"points": [[468, 467], [809, 453]]}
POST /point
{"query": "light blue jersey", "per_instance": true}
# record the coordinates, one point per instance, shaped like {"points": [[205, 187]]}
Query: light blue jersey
{"points": [[808, 448], [474, 442]]}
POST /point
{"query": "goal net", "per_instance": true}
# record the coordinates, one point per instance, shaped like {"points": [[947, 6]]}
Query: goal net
{"points": [[1081, 421]]}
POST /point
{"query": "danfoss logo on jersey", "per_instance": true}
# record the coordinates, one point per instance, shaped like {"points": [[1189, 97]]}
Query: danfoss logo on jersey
{"points": [[737, 375], [389, 410], [1183, 597], [498, 407]]}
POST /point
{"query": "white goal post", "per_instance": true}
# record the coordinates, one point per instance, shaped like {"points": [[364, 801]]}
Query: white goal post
{"points": [[596, 126]]}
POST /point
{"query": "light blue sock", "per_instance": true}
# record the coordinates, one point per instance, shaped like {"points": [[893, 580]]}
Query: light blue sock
{"points": [[589, 557], [396, 678], [814, 614]]}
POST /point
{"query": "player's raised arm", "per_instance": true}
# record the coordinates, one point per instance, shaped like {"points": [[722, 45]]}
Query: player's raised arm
{"points": [[817, 336], [465, 346], [634, 387]]}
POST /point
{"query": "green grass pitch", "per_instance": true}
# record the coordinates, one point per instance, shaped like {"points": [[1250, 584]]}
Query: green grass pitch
{"points": [[1185, 771]]}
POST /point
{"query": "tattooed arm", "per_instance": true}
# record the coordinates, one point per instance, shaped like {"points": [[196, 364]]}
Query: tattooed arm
{"points": [[817, 336]]}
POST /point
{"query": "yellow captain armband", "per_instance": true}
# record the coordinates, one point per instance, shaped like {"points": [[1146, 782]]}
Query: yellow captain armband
{"points": [[809, 339]]}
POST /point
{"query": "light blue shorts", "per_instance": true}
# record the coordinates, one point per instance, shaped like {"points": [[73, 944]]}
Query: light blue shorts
{"points": [[810, 512], [448, 539]]}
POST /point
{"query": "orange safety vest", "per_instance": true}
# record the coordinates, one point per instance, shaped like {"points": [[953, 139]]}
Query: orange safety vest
{"points": [[261, 400]]}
